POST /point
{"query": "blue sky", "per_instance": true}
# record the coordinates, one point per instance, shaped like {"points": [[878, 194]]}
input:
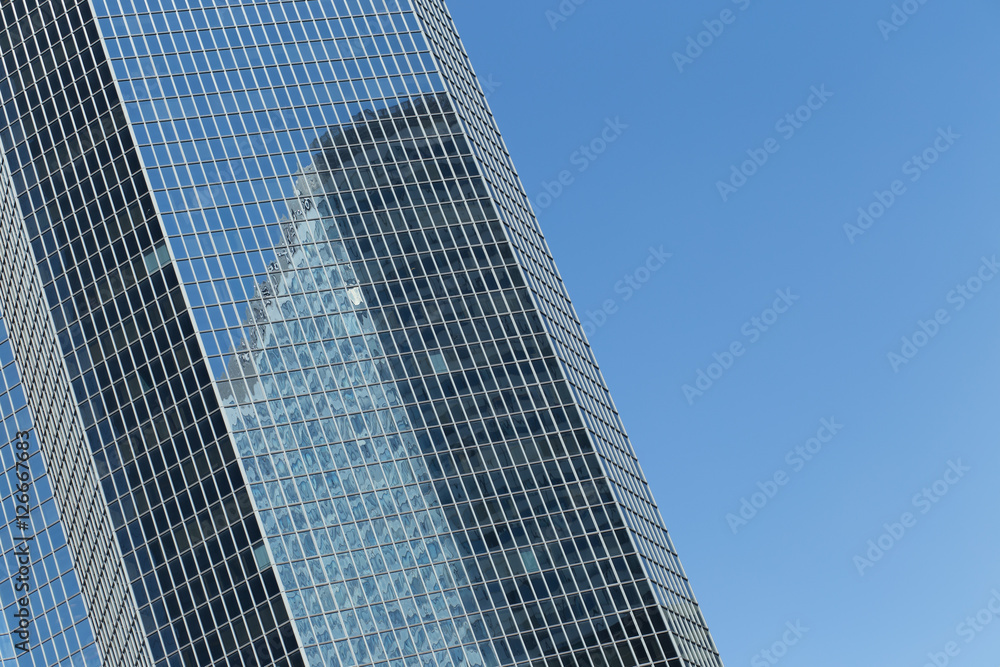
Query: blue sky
{"points": [[927, 90]]}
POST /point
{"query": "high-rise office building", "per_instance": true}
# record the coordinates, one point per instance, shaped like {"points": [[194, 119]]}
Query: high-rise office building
{"points": [[297, 375]]}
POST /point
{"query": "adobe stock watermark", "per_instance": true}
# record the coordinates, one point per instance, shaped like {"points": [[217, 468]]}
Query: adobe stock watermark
{"points": [[581, 158], [629, 284], [562, 12], [714, 28], [967, 630], [489, 86], [924, 501], [21, 621], [786, 126], [752, 329], [779, 649], [959, 298], [900, 15], [796, 459], [915, 168]]}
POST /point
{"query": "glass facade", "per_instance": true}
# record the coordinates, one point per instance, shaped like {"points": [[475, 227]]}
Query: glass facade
{"points": [[310, 347], [62, 633]]}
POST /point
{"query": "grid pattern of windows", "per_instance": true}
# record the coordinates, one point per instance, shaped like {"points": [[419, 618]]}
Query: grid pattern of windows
{"points": [[60, 437], [59, 627], [393, 398], [189, 542], [341, 409], [225, 102], [653, 545], [227, 183]]}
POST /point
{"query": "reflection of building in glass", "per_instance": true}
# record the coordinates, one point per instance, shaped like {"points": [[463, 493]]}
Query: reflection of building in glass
{"points": [[281, 284]]}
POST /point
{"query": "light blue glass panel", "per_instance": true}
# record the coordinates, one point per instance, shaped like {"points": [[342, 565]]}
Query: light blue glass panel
{"points": [[226, 111]]}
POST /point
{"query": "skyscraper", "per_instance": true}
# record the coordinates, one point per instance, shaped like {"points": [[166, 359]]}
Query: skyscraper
{"points": [[299, 379]]}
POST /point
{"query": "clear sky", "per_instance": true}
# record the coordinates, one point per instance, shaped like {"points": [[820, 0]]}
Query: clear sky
{"points": [[903, 124]]}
